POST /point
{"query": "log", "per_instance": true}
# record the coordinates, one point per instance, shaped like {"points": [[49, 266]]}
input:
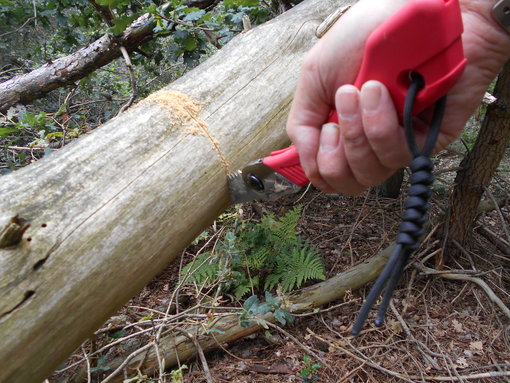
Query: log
{"points": [[176, 349], [110, 211]]}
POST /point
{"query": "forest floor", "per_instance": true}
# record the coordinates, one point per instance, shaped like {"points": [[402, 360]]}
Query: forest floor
{"points": [[437, 329]]}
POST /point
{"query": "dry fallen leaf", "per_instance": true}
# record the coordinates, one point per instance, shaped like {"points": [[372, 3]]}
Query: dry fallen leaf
{"points": [[461, 363], [476, 346], [457, 326]]}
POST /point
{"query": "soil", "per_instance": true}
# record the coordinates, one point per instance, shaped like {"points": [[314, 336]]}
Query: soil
{"points": [[436, 329]]}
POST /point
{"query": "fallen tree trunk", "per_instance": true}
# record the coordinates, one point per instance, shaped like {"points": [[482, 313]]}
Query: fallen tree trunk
{"points": [[175, 349], [84, 229]]}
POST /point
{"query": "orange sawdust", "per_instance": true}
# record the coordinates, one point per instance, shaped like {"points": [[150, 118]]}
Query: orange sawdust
{"points": [[187, 110]]}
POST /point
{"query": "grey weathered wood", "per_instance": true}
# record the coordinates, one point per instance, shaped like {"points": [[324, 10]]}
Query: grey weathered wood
{"points": [[110, 211]]}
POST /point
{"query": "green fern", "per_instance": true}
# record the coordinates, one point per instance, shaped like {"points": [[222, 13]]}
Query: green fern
{"points": [[297, 265], [268, 253], [204, 269], [244, 286], [257, 259], [282, 232]]}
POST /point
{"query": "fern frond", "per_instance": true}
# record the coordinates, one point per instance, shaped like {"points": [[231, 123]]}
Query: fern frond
{"points": [[245, 286], [257, 259], [203, 269], [271, 281], [295, 266], [283, 231]]}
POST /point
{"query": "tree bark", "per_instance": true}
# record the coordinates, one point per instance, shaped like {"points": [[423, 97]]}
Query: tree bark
{"points": [[479, 165], [108, 212], [67, 70], [391, 187]]}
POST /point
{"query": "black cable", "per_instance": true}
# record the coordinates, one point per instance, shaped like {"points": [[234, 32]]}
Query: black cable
{"points": [[416, 206]]}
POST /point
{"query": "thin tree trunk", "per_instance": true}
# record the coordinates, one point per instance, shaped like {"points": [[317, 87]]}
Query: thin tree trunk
{"points": [[88, 226], [479, 165]]}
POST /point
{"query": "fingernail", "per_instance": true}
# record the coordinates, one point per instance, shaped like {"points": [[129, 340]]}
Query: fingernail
{"points": [[371, 96], [347, 99], [330, 135]]}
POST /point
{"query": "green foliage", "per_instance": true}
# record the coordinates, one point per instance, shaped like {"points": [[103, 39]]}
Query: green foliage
{"points": [[469, 136], [261, 255], [275, 246], [100, 365], [140, 379], [308, 372], [296, 265], [253, 309], [35, 130], [204, 269], [178, 374], [116, 334]]}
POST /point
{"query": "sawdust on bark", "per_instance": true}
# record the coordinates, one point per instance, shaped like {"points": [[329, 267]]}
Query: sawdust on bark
{"points": [[182, 107]]}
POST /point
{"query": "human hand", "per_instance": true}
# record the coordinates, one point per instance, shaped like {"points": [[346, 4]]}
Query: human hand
{"points": [[368, 146]]}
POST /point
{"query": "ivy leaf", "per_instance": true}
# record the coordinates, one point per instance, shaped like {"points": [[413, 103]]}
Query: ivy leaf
{"points": [[280, 316], [117, 333], [251, 301], [214, 330]]}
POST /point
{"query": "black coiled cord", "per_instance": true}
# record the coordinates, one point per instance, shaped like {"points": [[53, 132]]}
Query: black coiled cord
{"points": [[416, 206]]}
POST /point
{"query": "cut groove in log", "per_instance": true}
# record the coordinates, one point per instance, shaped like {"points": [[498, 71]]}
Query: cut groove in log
{"points": [[108, 212]]}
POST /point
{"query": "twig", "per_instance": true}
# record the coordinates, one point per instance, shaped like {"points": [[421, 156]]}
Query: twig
{"points": [[461, 277], [26, 147], [361, 357], [303, 194], [18, 29], [501, 244], [120, 340], [89, 378], [330, 20], [425, 350], [126, 361], [295, 340], [498, 210], [200, 351], [482, 375], [132, 78]]}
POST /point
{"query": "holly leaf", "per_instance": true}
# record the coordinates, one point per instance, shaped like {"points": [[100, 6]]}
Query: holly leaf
{"points": [[120, 24], [194, 15], [190, 43]]}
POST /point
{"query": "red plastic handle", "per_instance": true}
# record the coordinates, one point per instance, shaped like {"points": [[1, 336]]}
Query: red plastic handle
{"points": [[424, 36]]}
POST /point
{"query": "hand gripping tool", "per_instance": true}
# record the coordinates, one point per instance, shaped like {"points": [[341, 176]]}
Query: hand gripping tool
{"points": [[417, 53]]}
